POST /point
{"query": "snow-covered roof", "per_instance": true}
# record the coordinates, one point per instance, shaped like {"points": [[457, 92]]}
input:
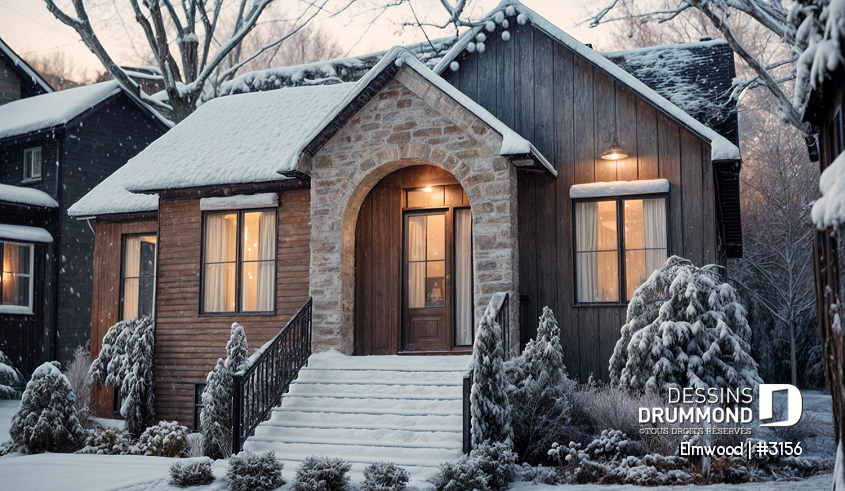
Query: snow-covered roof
{"points": [[512, 143], [111, 196], [26, 196], [721, 148], [24, 233], [829, 210], [51, 110], [24, 67]]}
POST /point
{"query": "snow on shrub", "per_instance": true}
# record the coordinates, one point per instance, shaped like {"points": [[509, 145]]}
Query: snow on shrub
{"points": [[322, 474], [191, 473], [384, 476], [460, 475], [685, 328], [166, 439], [10, 378], [540, 394], [108, 441], [490, 407], [496, 460], [46, 420], [539, 474], [577, 467], [215, 417], [255, 472], [125, 362], [194, 447], [613, 445], [79, 376]]}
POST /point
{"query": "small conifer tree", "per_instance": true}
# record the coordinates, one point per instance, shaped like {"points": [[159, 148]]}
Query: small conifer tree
{"points": [[490, 407]]}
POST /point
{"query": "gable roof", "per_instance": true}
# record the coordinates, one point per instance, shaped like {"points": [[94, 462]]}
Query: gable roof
{"points": [[721, 148], [697, 77], [26, 73], [52, 110], [513, 144]]}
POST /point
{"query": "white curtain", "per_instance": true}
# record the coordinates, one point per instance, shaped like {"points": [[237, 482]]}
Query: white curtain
{"points": [[220, 248], [463, 277], [587, 239], [654, 233], [131, 272], [267, 254], [416, 270]]}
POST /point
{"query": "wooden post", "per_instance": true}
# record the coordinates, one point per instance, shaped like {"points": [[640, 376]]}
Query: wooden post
{"points": [[467, 416], [237, 410]]}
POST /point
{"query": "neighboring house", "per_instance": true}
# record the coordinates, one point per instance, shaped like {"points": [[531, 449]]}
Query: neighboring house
{"points": [[17, 79], [524, 163], [54, 148]]}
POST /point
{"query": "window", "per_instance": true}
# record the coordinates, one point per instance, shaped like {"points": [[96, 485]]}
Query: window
{"points": [[619, 242], [198, 389], [16, 286], [239, 261], [138, 276], [32, 164]]}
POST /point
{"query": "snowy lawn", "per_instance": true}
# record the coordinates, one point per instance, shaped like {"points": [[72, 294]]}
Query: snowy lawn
{"points": [[8, 408]]}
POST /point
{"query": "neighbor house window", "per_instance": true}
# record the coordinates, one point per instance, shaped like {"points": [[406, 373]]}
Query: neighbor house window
{"points": [[32, 164], [619, 242], [16, 286], [239, 261], [198, 390], [138, 276]]}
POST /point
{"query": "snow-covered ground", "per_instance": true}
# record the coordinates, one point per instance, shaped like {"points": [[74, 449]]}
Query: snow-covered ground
{"points": [[8, 408]]}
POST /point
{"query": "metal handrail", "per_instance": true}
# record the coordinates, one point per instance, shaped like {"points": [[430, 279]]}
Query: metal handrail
{"points": [[259, 389]]}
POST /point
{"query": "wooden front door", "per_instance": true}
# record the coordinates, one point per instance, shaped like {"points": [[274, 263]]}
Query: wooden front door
{"points": [[428, 281]]}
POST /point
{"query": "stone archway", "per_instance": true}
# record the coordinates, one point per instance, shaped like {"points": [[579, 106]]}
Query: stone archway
{"points": [[378, 141]]}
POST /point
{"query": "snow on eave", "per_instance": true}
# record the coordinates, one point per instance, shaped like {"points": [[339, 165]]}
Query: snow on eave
{"points": [[512, 143], [25, 233], [720, 147], [24, 66], [26, 196]]}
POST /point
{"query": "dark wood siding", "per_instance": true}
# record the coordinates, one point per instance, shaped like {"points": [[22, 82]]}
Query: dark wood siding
{"points": [[105, 298], [94, 147], [569, 109], [10, 83], [11, 162], [188, 344]]}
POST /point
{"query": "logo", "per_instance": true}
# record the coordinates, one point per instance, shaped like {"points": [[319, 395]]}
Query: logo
{"points": [[795, 403]]}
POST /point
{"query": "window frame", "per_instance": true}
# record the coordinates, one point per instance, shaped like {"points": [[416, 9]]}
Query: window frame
{"points": [[199, 388], [620, 243], [123, 239], [19, 309], [28, 164], [240, 212]]}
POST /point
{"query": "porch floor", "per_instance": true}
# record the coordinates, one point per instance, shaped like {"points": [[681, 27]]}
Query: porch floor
{"points": [[364, 409]]}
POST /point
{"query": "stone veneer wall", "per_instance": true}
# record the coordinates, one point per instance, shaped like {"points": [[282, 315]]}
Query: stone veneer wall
{"points": [[409, 122]]}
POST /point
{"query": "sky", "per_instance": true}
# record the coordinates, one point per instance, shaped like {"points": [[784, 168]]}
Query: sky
{"points": [[31, 30]]}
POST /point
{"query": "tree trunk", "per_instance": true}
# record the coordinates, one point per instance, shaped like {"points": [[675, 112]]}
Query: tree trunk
{"points": [[826, 269], [793, 364]]}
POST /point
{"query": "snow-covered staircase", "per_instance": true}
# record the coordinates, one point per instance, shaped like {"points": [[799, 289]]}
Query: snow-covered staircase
{"points": [[365, 409]]}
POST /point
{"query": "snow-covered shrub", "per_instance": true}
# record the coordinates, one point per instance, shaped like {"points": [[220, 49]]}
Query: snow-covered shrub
{"points": [[77, 373], [166, 439], [384, 476], [255, 472], [10, 378], [490, 407], [108, 441], [125, 362], [613, 445], [539, 474], [496, 460], [46, 420], [459, 475], [194, 447], [191, 473], [540, 394], [685, 328], [215, 417], [322, 474], [650, 470]]}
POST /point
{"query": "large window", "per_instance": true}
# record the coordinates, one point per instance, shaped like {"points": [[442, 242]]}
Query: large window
{"points": [[32, 164], [138, 276], [16, 286], [239, 261], [619, 242]]}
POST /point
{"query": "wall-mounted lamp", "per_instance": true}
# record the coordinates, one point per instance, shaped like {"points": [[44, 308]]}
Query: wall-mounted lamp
{"points": [[426, 189], [615, 152]]}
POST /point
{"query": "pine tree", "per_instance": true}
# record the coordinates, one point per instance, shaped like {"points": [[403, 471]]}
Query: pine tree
{"points": [[685, 328], [542, 356], [10, 378], [46, 420], [490, 407], [216, 414]]}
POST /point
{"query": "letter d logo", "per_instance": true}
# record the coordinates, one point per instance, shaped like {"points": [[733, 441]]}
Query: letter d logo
{"points": [[794, 405]]}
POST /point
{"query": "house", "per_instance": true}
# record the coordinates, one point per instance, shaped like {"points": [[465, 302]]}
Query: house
{"points": [[524, 163], [17, 79], [54, 148]]}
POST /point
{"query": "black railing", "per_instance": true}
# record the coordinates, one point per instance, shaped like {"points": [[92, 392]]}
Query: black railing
{"points": [[260, 388], [498, 309]]}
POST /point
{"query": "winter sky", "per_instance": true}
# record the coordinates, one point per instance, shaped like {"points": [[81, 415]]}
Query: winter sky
{"points": [[29, 29]]}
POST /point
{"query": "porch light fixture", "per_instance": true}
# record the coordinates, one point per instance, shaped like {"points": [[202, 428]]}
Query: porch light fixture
{"points": [[426, 189], [615, 152]]}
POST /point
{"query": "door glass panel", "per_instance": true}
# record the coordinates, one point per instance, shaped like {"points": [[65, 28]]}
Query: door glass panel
{"points": [[416, 285], [436, 246], [463, 278], [434, 284], [426, 260]]}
